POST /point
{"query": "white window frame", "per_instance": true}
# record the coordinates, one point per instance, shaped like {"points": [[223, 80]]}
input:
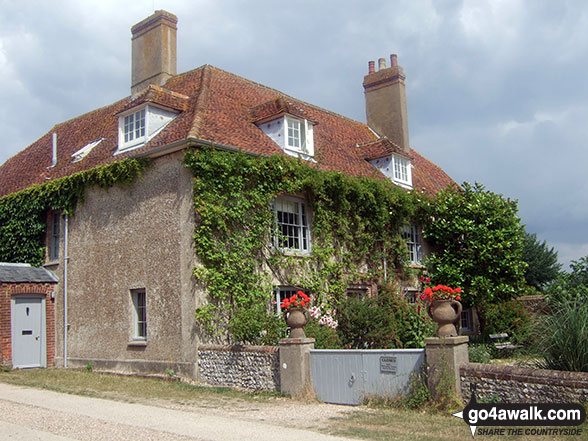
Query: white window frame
{"points": [[401, 170], [411, 235], [293, 232], [298, 135], [134, 127], [139, 301]]}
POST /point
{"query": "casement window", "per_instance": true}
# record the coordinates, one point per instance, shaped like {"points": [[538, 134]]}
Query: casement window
{"points": [[410, 233], [292, 225], [397, 168], [466, 320], [138, 126], [402, 170], [282, 293], [139, 299], [55, 236], [293, 135], [134, 127]]}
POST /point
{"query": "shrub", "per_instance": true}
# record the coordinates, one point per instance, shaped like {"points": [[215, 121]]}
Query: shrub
{"points": [[386, 321], [479, 353], [257, 326], [563, 337], [325, 337], [509, 317]]}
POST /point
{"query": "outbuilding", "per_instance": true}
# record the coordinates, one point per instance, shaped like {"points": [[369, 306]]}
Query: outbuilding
{"points": [[27, 316]]}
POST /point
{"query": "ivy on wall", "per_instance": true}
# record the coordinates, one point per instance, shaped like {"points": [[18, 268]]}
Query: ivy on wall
{"points": [[23, 215], [355, 225]]}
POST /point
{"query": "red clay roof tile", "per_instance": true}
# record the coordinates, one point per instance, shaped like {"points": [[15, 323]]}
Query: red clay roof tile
{"points": [[215, 106]]}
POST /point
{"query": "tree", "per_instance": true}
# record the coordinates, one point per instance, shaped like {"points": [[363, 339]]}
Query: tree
{"points": [[478, 244], [542, 265], [571, 286]]}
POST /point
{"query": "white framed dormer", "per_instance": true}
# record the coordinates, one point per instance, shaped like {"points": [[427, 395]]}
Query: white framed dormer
{"points": [[138, 125], [396, 167], [295, 136]]}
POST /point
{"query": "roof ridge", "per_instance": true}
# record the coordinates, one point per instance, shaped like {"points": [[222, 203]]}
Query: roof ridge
{"points": [[201, 102], [272, 89]]}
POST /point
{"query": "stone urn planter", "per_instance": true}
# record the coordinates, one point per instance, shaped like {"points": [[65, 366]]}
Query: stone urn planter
{"points": [[296, 319], [445, 313]]}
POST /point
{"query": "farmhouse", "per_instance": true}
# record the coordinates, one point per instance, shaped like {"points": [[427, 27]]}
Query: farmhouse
{"points": [[124, 257]]}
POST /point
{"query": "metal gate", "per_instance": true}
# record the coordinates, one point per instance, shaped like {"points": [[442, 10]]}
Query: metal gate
{"points": [[28, 331], [347, 376]]}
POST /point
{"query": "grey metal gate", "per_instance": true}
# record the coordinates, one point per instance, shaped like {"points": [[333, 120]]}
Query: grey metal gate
{"points": [[347, 376]]}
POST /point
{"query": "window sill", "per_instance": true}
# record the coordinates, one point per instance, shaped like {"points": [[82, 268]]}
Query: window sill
{"points": [[51, 263], [294, 253], [138, 343]]}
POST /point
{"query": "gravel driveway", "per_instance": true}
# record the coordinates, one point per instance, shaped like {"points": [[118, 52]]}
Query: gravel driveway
{"points": [[32, 414]]}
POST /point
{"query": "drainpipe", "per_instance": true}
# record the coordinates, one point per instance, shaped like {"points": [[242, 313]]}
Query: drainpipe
{"points": [[385, 270], [65, 263]]}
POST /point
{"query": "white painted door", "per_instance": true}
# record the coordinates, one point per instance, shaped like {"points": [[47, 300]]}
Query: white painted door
{"points": [[28, 331]]}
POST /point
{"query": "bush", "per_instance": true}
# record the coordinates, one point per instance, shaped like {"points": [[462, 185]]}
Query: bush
{"points": [[386, 321], [480, 353], [509, 317], [257, 326], [563, 337], [325, 337]]}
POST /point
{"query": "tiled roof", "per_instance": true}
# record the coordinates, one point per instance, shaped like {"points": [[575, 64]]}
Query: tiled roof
{"points": [[380, 148], [24, 273], [215, 106], [275, 108]]}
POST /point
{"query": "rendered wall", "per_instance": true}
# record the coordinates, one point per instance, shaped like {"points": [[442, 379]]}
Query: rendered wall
{"points": [[130, 237]]}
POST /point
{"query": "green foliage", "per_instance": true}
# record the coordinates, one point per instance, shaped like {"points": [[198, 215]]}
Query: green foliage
{"points": [[325, 337], [89, 367], [542, 265], [571, 286], [386, 321], [418, 393], [355, 224], [563, 337], [507, 317], [23, 214], [478, 242], [479, 353], [256, 326]]}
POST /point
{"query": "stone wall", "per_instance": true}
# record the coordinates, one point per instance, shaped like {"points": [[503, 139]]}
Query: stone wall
{"points": [[248, 367], [511, 384]]}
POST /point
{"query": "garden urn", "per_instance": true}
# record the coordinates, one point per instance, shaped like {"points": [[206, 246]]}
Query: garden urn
{"points": [[445, 313], [296, 319]]}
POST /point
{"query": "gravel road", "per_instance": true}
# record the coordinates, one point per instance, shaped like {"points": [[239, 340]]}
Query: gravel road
{"points": [[32, 414]]}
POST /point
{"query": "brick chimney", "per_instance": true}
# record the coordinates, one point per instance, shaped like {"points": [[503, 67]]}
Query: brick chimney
{"points": [[385, 101], [153, 51]]}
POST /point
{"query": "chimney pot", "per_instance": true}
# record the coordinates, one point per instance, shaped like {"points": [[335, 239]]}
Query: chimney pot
{"points": [[371, 67], [394, 60], [381, 64]]}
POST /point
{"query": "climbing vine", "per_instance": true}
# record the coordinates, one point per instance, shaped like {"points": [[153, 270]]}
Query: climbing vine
{"points": [[23, 215], [355, 226]]}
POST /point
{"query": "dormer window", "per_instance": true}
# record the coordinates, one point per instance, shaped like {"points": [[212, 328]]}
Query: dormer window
{"points": [[396, 167], [293, 135], [139, 125]]}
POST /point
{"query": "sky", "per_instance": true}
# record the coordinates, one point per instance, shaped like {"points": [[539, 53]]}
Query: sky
{"points": [[497, 90]]}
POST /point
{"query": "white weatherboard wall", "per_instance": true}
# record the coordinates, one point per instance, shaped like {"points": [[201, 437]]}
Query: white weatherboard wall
{"points": [[347, 376]]}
